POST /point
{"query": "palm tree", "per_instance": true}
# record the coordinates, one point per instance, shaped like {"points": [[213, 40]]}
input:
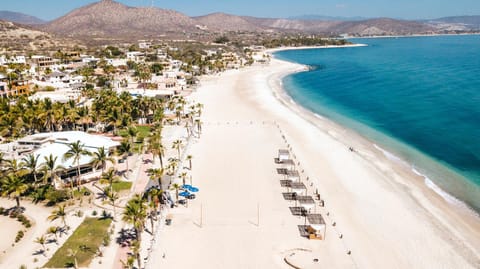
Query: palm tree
{"points": [[176, 187], [199, 126], [112, 197], [58, 213], [13, 186], [30, 162], [124, 150], [110, 176], [199, 109], [15, 167], [132, 133], [50, 168], [101, 157], [135, 213], [53, 230], [173, 164], [75, 152], [177, 144], [183, 175], [189, 159], [156, 173], [42, 240], [156, 147], [136, 252]]}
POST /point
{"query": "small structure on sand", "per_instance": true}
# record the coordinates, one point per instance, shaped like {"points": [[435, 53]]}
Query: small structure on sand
{"points": [[298, 187], [283, 155], [293, 175], [306, 201], [316, 228]]}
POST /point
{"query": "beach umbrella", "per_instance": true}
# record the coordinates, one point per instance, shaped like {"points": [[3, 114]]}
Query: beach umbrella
{"points": [[193, 189], [184, 193], [186, 186]]}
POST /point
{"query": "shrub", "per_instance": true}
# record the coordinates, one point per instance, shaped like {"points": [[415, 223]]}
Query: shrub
{"points": [[2, 210], [19, 236], [106, 240], [94, 213], [56, 196], [26, 222]]}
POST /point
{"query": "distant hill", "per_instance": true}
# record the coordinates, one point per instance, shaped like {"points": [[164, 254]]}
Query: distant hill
{"points": [[19, 18], [381, 26], [226, 22], [311, 17], [108, 19], [471, 22], [111, 19]]}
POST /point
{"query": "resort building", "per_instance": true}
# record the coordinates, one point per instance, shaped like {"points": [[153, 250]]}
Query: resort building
{"points": [[57, 144]]}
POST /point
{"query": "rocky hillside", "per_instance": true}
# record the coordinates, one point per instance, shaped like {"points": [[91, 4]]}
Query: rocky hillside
{"points": [[108, 18], [23, 38], [381, 26], [225, 22], [462, 22], [19, 18]]}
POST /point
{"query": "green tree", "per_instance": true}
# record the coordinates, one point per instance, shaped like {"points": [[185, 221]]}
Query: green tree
{"points": [[30, 162], [177, 144], [109, 177], [101, 157], [177, 188], [76, 151], [42, 241], [124, 150], [189, 159], [59, 213], [50, 168], [113, 197], [13, 186], [135, 213]]}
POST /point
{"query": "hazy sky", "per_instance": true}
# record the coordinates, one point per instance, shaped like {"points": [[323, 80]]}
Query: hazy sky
{"points": [[407, 9]]}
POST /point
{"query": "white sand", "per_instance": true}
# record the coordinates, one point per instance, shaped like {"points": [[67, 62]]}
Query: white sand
{"points": [[388, 218]]}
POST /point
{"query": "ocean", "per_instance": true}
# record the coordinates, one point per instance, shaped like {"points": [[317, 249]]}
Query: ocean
{"points": [[416, 98]]}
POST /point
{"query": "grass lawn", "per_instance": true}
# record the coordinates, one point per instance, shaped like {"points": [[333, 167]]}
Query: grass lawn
{"points": [[121, 186], [85, 241], [143, 132]]}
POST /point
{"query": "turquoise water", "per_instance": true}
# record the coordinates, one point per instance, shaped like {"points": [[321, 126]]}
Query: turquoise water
{"points": [[418, 98]]}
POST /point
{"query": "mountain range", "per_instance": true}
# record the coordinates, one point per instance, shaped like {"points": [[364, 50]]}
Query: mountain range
{"points": [[18, 17], [110, 19]]}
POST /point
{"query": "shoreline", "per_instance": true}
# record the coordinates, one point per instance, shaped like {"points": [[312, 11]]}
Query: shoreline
{"points": [[407, 36], [428, 182], [271, 51], [451, 207], [240, 219]]}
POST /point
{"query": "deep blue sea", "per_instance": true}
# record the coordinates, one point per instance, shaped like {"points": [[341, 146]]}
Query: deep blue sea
{"points": [[417, 98]]}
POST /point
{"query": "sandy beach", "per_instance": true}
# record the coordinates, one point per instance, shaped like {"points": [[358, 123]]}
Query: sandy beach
{"points": [[383, 213]]}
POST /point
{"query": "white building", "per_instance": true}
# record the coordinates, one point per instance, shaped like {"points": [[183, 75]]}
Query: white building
{"points": [[116, 62], [57, 144], [12, 60], [135, 56], [144, 44]]}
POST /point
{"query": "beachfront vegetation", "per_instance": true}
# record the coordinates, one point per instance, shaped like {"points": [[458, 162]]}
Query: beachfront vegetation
{"points": [[135, 213], [298, 41], [121, 186], [82, 246]]}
